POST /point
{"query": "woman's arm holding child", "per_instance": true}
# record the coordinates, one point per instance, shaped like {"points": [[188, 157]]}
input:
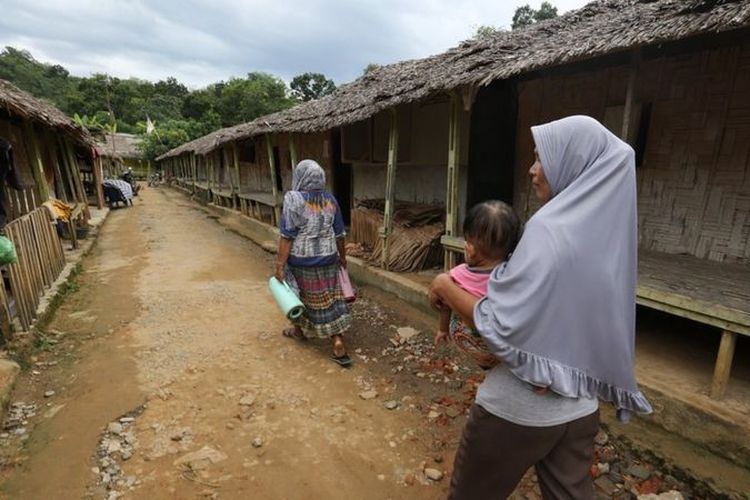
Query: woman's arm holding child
{"points": [[445, 294]]}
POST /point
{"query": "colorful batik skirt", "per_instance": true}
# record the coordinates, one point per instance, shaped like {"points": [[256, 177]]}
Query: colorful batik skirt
{"points": [[326, 311], [468, 340]]}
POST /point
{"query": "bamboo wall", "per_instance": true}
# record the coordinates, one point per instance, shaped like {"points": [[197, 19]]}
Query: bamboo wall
{"points": [[694, 179]]}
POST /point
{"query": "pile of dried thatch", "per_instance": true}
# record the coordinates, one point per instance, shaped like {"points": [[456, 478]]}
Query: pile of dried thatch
{"points": [[415, 241]]}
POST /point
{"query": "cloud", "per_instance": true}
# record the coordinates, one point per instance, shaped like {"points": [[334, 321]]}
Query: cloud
{"points": [[200, 42]]}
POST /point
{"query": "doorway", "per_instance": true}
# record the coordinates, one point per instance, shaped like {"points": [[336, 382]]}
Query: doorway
{"points": [[342, 178], [492, 144], [277, 169]]}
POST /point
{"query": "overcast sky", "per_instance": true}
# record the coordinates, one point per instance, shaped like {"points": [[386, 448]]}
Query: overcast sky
{"points": [[204, 41]]}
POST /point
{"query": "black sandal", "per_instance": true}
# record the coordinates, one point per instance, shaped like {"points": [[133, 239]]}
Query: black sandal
{"points": [[344, 360]]}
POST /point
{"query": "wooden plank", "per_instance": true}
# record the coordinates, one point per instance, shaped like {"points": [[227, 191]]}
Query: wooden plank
{"points": [[292, 151], [627, 113], [6, 320], [390, 187], [37, 166], [69, 180], [45, 252], [17, 291], [77, 179], [21, 292], [34, 268], [274, 188], [98, 179], [723, 364], [37, 245], [668, 305], [455, 243], [236, 165], [451, 196]]}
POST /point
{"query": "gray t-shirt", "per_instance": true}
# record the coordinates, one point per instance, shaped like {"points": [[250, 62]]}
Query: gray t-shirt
{"points": [[506, 396]]}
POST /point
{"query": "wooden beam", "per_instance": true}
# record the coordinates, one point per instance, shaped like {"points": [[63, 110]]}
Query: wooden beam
{"points": [[96, 166], [67, 166], [274, 188], [236, 163], [451, 195], [194, 171], [37, 167], [210, 169], [723, 364], [59, 181], [627, 113], [390, 187], [292, 151], [77, 179]]}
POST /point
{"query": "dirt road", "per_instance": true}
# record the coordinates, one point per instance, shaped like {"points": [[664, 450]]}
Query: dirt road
{"points": [[172, 328], [163, 374]]}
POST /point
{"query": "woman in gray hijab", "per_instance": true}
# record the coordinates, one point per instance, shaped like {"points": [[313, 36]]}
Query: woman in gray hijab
{"points": [[311, 250], [560, 316]]}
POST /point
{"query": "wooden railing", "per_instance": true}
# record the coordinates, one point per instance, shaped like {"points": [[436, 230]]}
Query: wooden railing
{"points": [[40, 261]]}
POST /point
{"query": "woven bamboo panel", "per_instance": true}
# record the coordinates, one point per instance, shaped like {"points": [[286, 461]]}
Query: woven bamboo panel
{"points": [[694, 181]]}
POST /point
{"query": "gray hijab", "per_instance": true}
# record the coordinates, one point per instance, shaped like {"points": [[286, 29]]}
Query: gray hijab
{"points": [[561, 314], [307, 176]]}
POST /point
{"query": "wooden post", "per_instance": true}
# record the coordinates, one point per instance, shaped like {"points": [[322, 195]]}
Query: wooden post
{"points": [[292, 151], [96, 165], [390, 187], [193, 171], [59, 182], [236, 163], [274, 188], [37, 167], [76, 177], [67, 166], [454, 159], [210, 169], [627, 113], [723, 364]]}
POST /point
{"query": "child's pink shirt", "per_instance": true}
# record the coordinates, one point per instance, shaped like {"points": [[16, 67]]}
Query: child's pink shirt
{"points": [[472, 280]]}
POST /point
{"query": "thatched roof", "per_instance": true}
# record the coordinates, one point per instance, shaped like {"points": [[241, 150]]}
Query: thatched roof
{"points": [[24, 105], [600, 28], [125, 146]]}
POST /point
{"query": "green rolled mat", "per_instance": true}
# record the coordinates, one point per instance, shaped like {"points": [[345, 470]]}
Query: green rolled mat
{"points": [[7, 251], [285, 297]]}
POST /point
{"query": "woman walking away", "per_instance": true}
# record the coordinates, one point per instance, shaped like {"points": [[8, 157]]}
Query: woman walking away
{"points": [[561, 319], [311, 249]]}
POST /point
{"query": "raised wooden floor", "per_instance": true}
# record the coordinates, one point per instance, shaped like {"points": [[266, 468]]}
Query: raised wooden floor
{"points": [[714, 293]]}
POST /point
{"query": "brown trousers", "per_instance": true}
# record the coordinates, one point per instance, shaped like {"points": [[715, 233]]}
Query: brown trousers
{"points": [[494, 454]]}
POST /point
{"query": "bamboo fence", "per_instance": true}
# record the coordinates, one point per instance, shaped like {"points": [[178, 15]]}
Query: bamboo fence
{"points": [[40, 261]]}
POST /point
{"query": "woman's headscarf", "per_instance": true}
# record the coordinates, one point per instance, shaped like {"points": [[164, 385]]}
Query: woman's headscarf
{"points": [[307, 176], [561, 314]]}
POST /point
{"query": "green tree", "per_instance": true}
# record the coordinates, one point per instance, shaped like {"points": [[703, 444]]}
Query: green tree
{"points": [[171, 87], [525, 15], [180, 114], [546, 11], [244, 99], [198, 103], [309, 86], [486, 31]]}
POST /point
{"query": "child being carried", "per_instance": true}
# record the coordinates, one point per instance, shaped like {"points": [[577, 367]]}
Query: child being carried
{"points": [[491, 232]]}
